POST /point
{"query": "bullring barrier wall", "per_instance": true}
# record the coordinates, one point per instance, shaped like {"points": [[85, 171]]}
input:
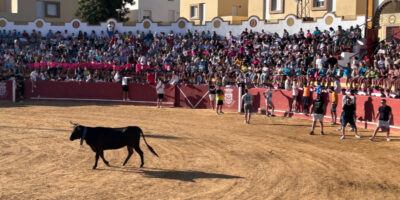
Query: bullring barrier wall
{"points": [[190, 96]]}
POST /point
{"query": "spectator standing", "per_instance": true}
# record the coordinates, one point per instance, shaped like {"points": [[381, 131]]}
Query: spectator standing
{"points": [[160, 92], [353, 101], [295, 93], [125, 88], [317, 108], [336, 84], [385, 115], [334, 102], [212, 94], [306, 97], [349, 116], [344, 99], [248, 105], [268, 101], [220, 100], [34, 78]]}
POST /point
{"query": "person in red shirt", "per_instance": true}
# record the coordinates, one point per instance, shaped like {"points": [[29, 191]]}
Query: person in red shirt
{"points": [[150, 78]]}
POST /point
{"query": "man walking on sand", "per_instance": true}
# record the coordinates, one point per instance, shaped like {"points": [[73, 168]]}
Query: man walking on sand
{"points": [[385, 115], [318, 108], [160, 92], [349, 116], [268, 101], [334, 102], [248, 105]]}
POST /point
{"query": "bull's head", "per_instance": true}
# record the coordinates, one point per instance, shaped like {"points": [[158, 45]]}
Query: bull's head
{"points": [[77, 132]]}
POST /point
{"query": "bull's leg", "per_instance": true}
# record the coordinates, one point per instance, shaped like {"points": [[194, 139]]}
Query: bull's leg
{"points": [[97, 159], [130, 152], [140, 152], [102, 157]]}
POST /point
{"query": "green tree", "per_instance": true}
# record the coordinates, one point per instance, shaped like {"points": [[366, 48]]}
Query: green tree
{"points": [[96, 11]]}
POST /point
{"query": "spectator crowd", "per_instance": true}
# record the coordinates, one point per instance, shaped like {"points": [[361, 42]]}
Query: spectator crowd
{"points": [[251, 59]]}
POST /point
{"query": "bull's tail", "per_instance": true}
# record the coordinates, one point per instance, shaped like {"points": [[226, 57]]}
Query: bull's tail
{"points": [[148, 146]]}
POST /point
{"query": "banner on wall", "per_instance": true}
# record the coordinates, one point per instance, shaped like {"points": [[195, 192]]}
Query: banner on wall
{"points": [[228, 97]]}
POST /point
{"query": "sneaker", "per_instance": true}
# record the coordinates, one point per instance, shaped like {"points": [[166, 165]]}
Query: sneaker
{"points": [[333, 123], [352, 130], [322, 133], [388, 139], [357, 136], [272, 115], [312, 133], [342, 138], [339, 129], [371, 138]]}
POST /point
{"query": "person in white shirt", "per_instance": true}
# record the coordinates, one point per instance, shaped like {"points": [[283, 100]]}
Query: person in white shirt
{"points": [[248, 105], [125, 88], [160, 92], [34, 77], [117, 77], [174, 79], [295, 92], [268, 101]]}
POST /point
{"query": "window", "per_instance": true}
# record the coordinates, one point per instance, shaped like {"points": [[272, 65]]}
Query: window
{"points": [[47, 9], [51, 9], [40, 9], [276, 6], [320, 5], [14, 6], [194, 11], [171, 15], [146, 14]]}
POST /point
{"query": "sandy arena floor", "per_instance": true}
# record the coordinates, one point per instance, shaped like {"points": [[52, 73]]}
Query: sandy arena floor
{"points": [[202, 156]]}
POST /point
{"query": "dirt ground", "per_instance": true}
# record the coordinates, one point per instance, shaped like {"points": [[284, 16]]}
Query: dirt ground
{"points": [[202, 156]]}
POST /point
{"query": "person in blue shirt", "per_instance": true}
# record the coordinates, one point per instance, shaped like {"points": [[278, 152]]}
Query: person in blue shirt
{"points": [[362, 70], [298, 71], [317, 32], [287, 71], [322, 72], [311, 71], [347, 71]]}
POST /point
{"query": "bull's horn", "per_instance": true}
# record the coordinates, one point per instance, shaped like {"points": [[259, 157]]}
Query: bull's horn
{"points": [[75, 124]]}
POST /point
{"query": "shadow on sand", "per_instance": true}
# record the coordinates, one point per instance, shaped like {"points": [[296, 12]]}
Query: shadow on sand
{"points": [[188, 176]]}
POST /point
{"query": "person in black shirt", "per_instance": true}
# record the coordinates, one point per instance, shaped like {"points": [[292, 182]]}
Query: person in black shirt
{"points": [[211, 94], [397, 94], [385, 115], [349, 116], [318, 109]]}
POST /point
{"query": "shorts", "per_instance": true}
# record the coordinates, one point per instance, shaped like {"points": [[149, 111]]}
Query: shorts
{"points": [[333, 107], [220, 102], [318, 117], [160, 96], [268, 102], [382, 123], [248, 107], [125, 88], [212, 97], [351, 121]]}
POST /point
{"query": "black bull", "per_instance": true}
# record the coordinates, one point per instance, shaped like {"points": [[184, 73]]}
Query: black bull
{"points": [[101, 138]]}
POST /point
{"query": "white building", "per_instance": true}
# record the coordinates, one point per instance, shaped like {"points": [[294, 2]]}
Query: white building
{"points": [[164, 11]]}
